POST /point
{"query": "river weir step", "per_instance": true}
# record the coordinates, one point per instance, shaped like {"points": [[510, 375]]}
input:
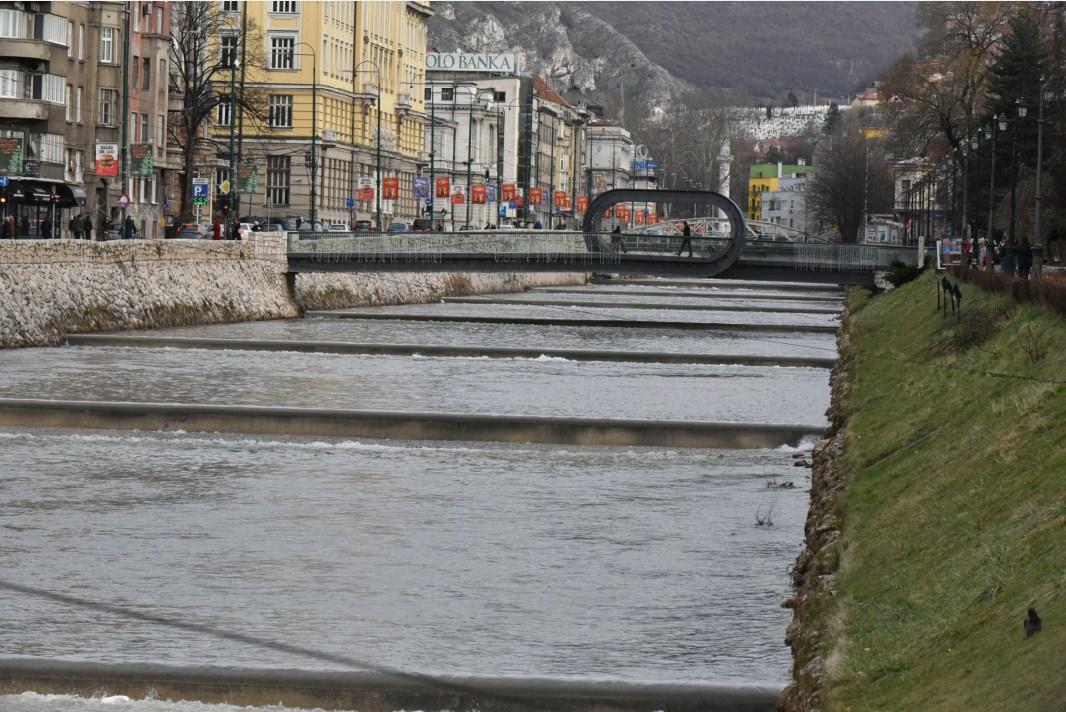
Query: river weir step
{"points": [[638, 305], [378, 349], [373, 691], [627, 323], [667, 291], [315, 422], [725, 284]]}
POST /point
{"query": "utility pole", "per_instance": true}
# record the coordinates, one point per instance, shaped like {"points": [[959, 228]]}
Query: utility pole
{"points": [[124, 179], [240, 104], [231, 230]]}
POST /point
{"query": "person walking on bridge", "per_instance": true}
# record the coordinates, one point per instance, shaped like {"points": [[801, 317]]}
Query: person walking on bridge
{"points": [[686, 240]]}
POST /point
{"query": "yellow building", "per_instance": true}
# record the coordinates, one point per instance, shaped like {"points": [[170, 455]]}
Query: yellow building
{"points": [[323, 75], [767, 177]]}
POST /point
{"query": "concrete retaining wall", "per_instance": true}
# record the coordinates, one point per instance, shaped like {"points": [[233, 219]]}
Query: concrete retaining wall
{"points": [[51, 287]]}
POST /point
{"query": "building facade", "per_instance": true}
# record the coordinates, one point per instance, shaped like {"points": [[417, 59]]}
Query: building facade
{"points": [[341, 132], [766, 177], [787, 206]]}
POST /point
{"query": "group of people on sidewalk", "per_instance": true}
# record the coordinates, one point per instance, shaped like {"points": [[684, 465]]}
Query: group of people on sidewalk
{"points": [[1005, 256], [79, 227]]}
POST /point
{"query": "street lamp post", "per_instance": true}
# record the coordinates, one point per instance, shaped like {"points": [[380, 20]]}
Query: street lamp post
{"points": [[1038, 244], [377, 140], [314, 127], [992, 130], [1022, 112]]}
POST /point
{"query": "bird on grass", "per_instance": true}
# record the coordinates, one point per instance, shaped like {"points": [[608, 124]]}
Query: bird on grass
{"points": [[1032, 623]]}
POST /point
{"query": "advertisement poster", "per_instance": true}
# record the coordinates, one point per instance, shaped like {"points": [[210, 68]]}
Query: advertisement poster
{"points": [[365, 191], [477, 194], [142, 163], [640, 217], [247, 177], [490, 193], [421, 187], [458, 195], [560, 198], [582, 203], [390, 188], [535, 195], [508, 192], [444, 187], [106, 160], [949, 252]]}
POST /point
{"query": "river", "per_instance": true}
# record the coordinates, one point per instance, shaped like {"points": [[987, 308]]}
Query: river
{"points": [[638, 564]]}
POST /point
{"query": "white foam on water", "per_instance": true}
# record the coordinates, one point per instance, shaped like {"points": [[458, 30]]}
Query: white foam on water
{"points": [[807, 443], [39, 702]]}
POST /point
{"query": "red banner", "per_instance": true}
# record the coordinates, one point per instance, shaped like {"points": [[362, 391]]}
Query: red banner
{"points": [[582, 203], [458, 198], [508, 191], [535, 196], [640, 217], [519, 201], [620, 211], [652, 219], [477, 194], [390, 188], [364, 193], [560, 197], [444, 187]]}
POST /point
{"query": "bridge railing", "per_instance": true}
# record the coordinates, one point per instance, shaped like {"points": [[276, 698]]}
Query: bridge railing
{"points": [[503, 245]]}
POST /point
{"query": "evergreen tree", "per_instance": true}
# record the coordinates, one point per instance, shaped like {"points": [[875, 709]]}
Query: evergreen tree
{"points": [[1015, 77], [831, 118]]}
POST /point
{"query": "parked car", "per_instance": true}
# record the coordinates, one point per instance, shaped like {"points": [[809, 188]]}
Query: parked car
{"points": [[398, 227], [338, 227], [422, 225], [365, 226], [467, 228], [308, 226], [192, 231]]}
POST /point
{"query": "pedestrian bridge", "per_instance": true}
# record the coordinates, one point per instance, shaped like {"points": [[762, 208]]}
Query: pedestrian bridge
{"points": [[728, 251]]}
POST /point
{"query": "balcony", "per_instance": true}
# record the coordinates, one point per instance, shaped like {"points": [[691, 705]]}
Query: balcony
{"points": [[23, 109], [25, 49]]}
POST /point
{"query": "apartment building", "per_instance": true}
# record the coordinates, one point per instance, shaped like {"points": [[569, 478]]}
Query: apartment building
{"points": [[343, 118]]}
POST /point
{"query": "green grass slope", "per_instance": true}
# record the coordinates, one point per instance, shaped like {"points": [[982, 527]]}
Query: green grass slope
{"points": [[955, 510]]}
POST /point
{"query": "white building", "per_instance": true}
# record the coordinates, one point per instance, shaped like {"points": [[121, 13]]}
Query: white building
{"points": [[787, 206]]}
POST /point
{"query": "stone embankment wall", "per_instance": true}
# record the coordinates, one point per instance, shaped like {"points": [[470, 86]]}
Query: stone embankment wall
{"points": [[51, 287], [814, 571]]}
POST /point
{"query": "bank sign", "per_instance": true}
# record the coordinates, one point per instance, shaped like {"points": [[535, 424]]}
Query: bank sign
{"points": [[463, 62]]}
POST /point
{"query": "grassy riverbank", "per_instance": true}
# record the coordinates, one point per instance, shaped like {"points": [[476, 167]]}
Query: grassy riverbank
{"points": [[955, 508]]}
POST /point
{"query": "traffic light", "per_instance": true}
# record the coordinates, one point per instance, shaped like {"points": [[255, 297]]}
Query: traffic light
{"points": [[224, 202]]}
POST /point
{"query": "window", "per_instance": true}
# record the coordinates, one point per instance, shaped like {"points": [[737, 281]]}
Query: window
{"points": [[428, 95], [12, 84], [146, 73], [160, 130], [12, 24], [279, 169], [230, 6], [70, 40], [107, 44], [133, 126], [136, 17], [499, 96], [77, 105], [280, 116], [447, 94], [225, 111], [159, 20], [108, 102], [81, 42], [51, 28], [163, 76], [46, 87], [52, 148], [283, 7], [228, 50], [145, 137], [282, 52], [70, 100], [135, 71]]}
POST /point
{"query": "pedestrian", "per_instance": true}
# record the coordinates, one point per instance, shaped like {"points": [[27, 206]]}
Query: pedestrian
{"points": [[8, 231], [87, 227], [75, 227], [1025, 259], [439, 227], [982, 253], [537, 225], [617, 241], [686, 240], [46, 228], [128, 228]]}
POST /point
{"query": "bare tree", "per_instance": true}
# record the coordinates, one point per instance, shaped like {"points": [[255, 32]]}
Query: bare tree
{"points": [[853, 178], [200, 76]]}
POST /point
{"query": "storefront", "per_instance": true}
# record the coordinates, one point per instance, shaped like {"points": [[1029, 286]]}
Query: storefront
{"points": [[41, 207]]}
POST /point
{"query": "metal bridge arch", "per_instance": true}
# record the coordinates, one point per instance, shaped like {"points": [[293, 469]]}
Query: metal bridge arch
{"points": [[705, 266]]}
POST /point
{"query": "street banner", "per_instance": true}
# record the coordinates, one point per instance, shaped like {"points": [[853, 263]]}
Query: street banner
{"points": [[535, 196], [477, 194], [490, 193], [444, 187], [247, 177], [142, 163], [11, 155], [421, 187], [949, 252], [508, 192], [390, 188], [640, 217], [458, 195], [106, 160], [582, 203], [652, 219], [620, 211], [365, 191], [519, 201], [560, 198]]}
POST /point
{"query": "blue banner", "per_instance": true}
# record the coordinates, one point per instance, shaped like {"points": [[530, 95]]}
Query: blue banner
{"points": [[421, 187], [490, 193]]}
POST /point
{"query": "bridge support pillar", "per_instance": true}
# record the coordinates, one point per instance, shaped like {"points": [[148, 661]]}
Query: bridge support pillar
{"points": [[290, 287]]}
